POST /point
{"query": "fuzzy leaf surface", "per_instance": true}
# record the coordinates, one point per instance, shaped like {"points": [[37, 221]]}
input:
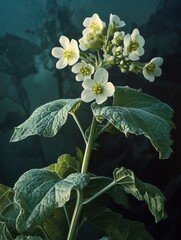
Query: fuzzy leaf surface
{"points": [[114, 226], [140, 114], [142, 191], [22, 237], [46, 120], [39, 191], [8, 209], [4, 232], [66, 164]]}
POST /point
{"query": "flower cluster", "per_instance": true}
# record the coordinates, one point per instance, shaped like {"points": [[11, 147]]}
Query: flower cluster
{"points": [[100, 48]]}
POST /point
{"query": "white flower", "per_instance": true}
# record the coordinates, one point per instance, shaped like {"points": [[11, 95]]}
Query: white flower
{"points": [[133, 45], [93, 24], [90, 40], [83, 69], [68, 55], [118, 38], [99, 88], [115, 21], [152, 69], [86, 40]]}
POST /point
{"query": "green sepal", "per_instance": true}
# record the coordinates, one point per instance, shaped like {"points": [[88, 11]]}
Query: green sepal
{"points": [[141, 191], [46, 120]]}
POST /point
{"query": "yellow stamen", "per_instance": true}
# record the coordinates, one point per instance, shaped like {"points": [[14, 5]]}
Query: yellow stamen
{"points": [[97, 89], [94, 27], [151, 67], [85, 71], [67, 54], [133, 46]]}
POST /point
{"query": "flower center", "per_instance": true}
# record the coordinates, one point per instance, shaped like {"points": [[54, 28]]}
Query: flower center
{"points": [[94, 27], [133, 46], [85, 71], [151, 67], [97, 89], [67, 54]]}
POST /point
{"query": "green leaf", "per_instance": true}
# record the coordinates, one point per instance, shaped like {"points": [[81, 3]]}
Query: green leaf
{"points": [[23, 237], [56, 225], [39, 191], [4, 232], [114, 226], [105, 238], [66, 164], [142, 191], [45, 120], [8, 209], [138, 113]]}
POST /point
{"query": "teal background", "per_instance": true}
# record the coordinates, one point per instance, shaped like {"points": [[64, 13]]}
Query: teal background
{"points": [[28, 78]]}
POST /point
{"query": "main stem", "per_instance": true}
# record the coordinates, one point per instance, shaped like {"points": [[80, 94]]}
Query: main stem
{"points": [[78, 207], [89, 146]]}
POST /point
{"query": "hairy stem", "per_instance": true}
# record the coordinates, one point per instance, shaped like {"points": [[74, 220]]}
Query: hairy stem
{"points": [[73, 226], [78, 207], [66, 215], [89, 146], [79, 126], [99, 193]]}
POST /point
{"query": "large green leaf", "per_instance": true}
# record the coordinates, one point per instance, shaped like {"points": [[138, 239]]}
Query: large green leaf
{"points": [[138, 113], [116, 227], [8, 209], [45, 120], [142, 191], [4, 232], [39, 191], [66, 164]]}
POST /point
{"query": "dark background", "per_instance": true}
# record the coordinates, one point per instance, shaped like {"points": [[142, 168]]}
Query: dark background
{"points": [[28, 78]]}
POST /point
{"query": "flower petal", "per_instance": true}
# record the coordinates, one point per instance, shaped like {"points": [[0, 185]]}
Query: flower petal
{"points": [[72, 60], [140, 51], [88, 83], [158, 61], [109, 89], [140, 40], [79, 77], [134, 34], [132, 56], [87, 95], [57, 52], [64, 41], [127, 39], [86, 22], [76, 68], [149, 77], [158, 72], [62, 63], [100, 98], [101, 76]]}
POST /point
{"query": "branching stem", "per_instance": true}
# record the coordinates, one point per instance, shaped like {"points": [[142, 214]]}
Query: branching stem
{"points": [[79, 126], [99, 193], [79, 202]]}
